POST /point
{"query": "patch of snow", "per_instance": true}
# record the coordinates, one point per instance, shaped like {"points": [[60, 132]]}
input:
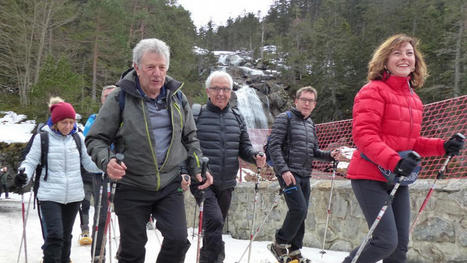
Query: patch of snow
{"points": [[13, 129]]}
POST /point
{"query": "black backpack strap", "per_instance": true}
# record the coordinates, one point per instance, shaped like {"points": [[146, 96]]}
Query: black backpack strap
{"points": [[43, 162], [44, 153], [238, 115], [78, 143], [289, 129], [121, 100]]}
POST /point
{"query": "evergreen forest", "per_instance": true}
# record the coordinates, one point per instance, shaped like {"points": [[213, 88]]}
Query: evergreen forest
{"points": [[72, 48]]}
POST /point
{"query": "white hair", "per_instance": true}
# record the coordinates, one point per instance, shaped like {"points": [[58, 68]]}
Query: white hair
{"points": [[218, 74], [152, 45]]}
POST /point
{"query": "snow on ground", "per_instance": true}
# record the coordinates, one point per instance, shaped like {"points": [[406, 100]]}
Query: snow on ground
{"points": [[11, 231], [13, 128]]}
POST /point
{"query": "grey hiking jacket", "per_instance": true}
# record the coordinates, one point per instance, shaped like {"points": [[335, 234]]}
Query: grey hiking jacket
{"points": [[129, 129]]}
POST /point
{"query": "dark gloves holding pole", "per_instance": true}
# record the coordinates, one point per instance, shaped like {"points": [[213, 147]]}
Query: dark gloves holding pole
{"points": [[21, 178], [407, 164], [454, 145]]}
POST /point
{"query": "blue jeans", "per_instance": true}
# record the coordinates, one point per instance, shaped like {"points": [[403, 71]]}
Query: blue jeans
{"points": [[391, 237]]}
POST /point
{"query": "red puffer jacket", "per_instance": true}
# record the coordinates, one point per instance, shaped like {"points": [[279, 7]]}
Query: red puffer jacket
{"points": [[387, 117]]}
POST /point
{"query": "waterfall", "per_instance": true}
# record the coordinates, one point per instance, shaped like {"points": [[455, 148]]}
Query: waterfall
{"points": [[251, 108]]}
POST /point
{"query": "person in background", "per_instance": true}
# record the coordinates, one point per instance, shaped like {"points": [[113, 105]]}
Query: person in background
{"points": [[60, 194], [149, 120], [293, 146], [224, 138], [97, 182], [387, 118], [3, 181]]}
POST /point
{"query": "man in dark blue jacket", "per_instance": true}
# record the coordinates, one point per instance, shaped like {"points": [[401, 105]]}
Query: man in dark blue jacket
{"points": [[223, 138], [293, 146]]}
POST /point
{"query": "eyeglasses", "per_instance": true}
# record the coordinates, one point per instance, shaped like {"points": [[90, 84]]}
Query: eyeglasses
{"points": [[219, 89], [304, 100]]}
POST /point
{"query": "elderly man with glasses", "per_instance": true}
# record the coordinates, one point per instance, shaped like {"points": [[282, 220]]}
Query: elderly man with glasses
{"points": [[223, 137]]}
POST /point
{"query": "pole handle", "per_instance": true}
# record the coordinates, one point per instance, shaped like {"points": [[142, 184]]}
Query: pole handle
{"points": [[120, 157], [414, 155], [204, 167]]}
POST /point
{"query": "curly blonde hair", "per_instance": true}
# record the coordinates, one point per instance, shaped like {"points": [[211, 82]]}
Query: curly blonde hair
{"points": [[376, 66]]}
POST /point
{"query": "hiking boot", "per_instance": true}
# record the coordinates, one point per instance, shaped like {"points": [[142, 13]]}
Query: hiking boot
{"points": [[279, 251], [297, 255], [85, 239]]}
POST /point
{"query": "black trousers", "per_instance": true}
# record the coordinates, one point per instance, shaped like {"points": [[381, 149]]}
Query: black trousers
{"points": [[133, 208], [97, 183], [85, 205], [391, 237], [216, 207], [297, 198], [57, 224]]}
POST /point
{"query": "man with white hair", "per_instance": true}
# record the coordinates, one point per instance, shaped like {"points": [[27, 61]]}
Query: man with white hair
{"points": [[149, 120], [223, 137]]}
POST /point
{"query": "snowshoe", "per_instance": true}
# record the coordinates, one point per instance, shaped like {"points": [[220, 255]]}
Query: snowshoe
{"points": [[280, 252], [85, 239], [296, 255]]}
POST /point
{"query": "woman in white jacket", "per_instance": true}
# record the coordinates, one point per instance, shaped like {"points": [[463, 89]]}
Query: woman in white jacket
{"points": [[59, 196]]}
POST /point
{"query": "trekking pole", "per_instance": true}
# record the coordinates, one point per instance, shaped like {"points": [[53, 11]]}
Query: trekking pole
{"points": [[388, 201], [204, 166], [187, 177], [459, 137], [258, 175], [23, 236], [96, 227], [334, 168], [110, 201], [110, 238], [259, 228], [194, 222]]}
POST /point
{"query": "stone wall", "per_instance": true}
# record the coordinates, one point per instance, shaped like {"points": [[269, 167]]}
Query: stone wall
{"points": [[440, 235]]}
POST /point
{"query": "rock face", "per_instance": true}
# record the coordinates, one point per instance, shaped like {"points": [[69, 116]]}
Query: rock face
{"points": [[440, 235]]}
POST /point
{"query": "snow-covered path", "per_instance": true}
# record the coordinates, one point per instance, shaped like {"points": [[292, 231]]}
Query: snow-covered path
{"points": [[11, 230]]}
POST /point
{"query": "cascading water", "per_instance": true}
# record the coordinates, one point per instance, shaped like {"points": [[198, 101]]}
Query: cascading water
{"points": [[251, 108]]}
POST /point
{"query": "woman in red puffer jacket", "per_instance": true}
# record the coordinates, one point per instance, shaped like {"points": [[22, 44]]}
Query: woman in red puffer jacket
{"points": [[387, 117]]}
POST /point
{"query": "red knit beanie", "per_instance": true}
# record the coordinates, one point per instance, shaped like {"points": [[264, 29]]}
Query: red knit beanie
{"points": [[62, 110]]}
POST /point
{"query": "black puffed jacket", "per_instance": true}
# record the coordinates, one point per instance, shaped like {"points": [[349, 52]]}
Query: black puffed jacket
{"points": [[223, 139], [295, 152]]}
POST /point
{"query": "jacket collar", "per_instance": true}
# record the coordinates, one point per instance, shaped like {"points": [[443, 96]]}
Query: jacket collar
{"points": [[211, 107], [299, 114], [50, 124], [395, 82]]}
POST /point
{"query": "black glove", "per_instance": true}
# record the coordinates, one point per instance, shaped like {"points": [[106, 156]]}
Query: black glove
{"points": [[406, 165], [454, 145], [20, 180]]}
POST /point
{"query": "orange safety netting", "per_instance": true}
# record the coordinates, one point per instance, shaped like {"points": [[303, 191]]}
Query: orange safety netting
{"points": [[440, 120]]}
